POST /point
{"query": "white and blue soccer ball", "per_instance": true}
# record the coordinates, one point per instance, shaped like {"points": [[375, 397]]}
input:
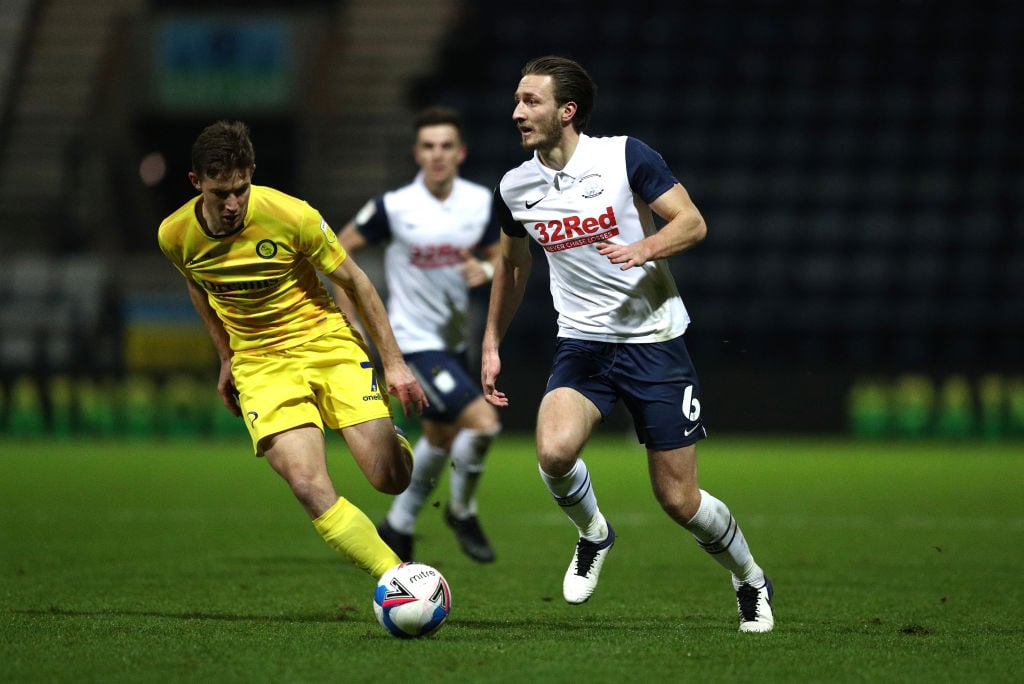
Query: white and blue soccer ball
{"points": [[412, 600]]}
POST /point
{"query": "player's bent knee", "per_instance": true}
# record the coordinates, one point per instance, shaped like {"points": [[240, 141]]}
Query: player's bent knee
{"points": [[556, 456], [391, 479], [555, 464]]}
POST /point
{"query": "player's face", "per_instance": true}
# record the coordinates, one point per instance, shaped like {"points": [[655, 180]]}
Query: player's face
{"points": [[439, 152], [537, 116], [225, 199]]}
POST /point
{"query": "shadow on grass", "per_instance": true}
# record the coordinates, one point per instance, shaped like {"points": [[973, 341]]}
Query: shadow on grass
{"points": [[583, 624], [189, 615], [591, 624]]}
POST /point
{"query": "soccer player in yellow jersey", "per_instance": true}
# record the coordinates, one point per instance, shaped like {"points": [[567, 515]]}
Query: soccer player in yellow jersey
{"points": [[290, 363]]}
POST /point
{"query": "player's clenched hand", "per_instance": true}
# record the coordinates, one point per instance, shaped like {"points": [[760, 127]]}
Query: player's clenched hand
{"points": [[403, 386], [628, 255], [474, 271]]}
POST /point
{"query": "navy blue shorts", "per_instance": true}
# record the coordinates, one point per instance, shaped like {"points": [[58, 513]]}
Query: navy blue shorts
{"points": [[445, 380], [656, 382]]}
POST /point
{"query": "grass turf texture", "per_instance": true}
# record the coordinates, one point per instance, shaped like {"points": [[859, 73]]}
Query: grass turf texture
{"points": [[183, 562]]}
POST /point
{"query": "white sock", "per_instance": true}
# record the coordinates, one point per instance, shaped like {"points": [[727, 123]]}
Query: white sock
{"points": [[574, 493], [469, 449], [428, 463], [716, 531]]}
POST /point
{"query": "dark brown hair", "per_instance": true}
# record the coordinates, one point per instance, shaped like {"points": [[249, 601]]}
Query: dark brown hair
{"points": [[571, 83], [438, 116], [221, 148]]}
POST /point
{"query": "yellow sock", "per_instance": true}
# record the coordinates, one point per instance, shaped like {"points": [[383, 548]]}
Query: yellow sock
{"points": [[350, 533]]}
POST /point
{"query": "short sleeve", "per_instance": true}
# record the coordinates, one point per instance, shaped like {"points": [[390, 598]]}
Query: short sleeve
{"points": [[503, 216], [649, 175], [372, 221]]}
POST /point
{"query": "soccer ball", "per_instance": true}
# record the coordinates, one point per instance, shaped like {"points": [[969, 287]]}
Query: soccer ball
{"points": [[412, 600]]}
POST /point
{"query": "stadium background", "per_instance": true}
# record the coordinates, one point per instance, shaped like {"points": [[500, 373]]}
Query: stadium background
{"points": [[859, 167]]}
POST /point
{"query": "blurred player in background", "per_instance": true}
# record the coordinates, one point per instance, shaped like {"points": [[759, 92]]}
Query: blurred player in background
{"points": [[588, 202], [290, 364], [433, 228]]}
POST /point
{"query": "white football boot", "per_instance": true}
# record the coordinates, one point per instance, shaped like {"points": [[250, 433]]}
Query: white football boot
{"points": [[581, 577], [755, 607]]}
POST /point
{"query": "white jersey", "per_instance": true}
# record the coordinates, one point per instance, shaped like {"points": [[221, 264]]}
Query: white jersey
{"points": [[428, 298], [602, 194]]}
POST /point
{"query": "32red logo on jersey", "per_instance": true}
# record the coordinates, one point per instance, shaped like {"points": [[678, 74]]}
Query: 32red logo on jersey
{"points": [[576, 231]]}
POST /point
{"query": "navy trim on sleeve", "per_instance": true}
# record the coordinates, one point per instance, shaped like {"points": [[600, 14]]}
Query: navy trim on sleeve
{"points": [[377, 228], [503, 216], [649, 175]]}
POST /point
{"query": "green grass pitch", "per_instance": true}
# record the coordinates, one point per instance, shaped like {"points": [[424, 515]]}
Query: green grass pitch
{"points": [[179, 561]]}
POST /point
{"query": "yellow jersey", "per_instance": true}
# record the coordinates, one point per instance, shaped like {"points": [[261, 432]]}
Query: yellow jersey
{"points": [[262, 280]]}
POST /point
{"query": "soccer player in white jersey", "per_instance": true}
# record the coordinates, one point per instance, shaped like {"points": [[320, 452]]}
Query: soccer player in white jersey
{"points": [[433, 227], [588, 202]]}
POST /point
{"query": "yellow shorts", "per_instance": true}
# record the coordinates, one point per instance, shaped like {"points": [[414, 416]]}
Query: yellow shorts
{"points": [[329, 381]]}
